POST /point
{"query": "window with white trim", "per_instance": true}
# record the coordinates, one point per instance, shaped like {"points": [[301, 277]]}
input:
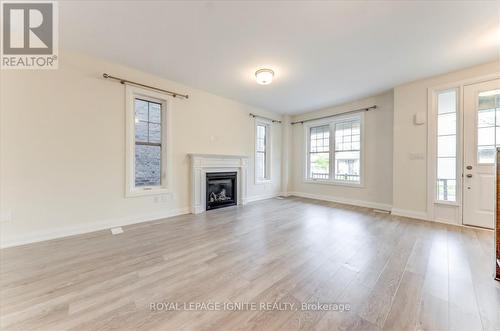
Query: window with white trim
{"points": [[348, 150], [146, 141], [319, 152], [342, 163], [446, 179], [262, 151]]}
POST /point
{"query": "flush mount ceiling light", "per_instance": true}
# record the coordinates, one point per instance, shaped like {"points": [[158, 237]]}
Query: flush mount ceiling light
{"points": [[264, 76]]}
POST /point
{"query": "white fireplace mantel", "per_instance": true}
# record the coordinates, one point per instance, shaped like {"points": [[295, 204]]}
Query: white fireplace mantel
{"points": [[203, 163]]}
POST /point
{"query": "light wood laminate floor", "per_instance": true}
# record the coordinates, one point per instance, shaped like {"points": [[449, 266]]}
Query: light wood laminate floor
{"points": [[395, 273]]}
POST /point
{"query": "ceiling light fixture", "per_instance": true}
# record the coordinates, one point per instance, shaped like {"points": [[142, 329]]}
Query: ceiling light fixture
{"points": [[264, 76]]}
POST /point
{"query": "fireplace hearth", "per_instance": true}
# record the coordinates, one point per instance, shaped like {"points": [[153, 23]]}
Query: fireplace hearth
{"points": [[221, 190]]}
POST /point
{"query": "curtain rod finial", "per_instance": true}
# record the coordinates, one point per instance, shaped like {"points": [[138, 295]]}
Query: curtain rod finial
{"points": [[105, 75]]}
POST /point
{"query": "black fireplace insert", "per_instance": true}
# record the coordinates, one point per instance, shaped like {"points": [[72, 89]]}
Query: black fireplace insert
{"points": [[221, 189]]}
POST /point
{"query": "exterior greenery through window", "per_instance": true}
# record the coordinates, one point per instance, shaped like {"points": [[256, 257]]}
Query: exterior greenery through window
{"points": [[447, 145], [319, 152], [148, 143], [344, 161]]}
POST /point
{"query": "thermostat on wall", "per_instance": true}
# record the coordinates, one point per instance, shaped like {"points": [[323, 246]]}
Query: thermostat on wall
{"points": [[420, 118]]}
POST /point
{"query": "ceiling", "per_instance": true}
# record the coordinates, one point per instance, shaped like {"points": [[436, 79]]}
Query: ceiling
{"points": [[323, 53]]}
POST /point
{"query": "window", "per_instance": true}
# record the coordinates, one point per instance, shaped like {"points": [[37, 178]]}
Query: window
{"points": [[146, 142], [348, 150], [488, 126], [342, 163], [447, 145], [262, 151], [319, 152]]}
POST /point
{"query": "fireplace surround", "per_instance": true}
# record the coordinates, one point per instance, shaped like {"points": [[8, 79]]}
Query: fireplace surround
{"points": [[203, 164]]}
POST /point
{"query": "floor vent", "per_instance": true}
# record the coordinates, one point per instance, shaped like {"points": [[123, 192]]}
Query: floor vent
{"points": [[116, 230], [381, 211]]}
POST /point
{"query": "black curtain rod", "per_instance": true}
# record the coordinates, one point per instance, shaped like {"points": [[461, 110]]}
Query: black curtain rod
{"points": [[347, 112], [125, 81], [266, 118]]}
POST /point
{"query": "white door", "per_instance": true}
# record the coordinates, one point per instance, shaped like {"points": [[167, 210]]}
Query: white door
{"points": [[481, 137]]}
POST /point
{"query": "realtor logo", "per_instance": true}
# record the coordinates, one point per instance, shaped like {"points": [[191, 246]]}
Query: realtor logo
{"points": [[29, 35]]}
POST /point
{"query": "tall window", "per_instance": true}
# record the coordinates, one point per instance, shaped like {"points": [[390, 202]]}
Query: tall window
{"points": [[348, 150], [262, 149], [447, 145], [319, 152], [344, 160], [146, 142]]}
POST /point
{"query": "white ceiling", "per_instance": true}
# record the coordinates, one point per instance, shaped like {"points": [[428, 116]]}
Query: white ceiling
{"points": [[323, 53]]}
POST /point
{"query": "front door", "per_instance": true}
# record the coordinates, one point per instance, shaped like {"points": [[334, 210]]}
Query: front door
{"points": [[481, 137]]}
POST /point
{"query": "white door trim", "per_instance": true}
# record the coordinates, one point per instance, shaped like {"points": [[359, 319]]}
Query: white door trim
{"points": [[478, 203], [432, 204]]}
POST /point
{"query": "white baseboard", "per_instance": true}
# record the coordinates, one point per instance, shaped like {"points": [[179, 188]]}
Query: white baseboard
{"points": [[262, 197], [352, 202], [410, 214], [86, 228]]}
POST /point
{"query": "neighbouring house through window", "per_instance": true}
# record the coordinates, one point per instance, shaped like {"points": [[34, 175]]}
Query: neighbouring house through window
{"points": [[343, 162], [146, 141]]}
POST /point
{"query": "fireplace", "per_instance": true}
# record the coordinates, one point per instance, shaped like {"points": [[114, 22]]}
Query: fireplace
{"points": [[221, 189]]}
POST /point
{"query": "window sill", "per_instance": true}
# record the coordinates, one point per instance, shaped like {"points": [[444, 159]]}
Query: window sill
{"points": [[262, 181], [333, 182], [146, 192], [447, 203]]}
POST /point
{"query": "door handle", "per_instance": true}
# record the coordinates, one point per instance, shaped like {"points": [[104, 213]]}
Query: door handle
{"points": [[469, 175]]}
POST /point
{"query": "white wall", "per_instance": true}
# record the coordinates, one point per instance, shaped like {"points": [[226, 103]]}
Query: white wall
{"points": [[63, 142], [410, 173], [377, 189]]}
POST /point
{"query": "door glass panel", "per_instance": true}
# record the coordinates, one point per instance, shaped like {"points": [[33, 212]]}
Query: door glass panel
{"points": [[486, 118], [486, 154], [486, 136], [488, 126]]}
